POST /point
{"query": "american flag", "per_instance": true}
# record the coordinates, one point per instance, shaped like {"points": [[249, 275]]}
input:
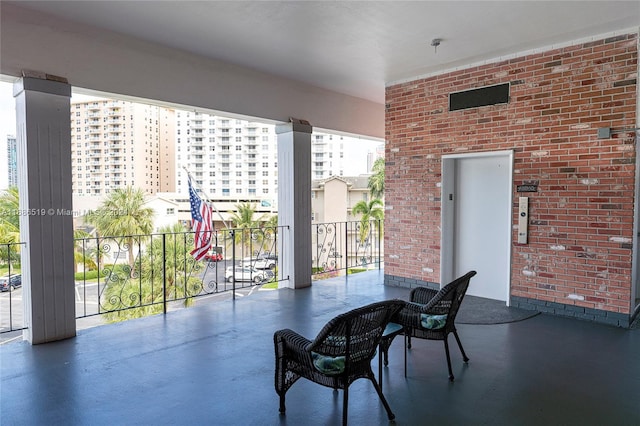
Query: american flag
{"points": [[201, 224]]}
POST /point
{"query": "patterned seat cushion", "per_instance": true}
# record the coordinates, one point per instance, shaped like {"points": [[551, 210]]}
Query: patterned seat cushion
{"points": [[433, 322], [327, 364]]}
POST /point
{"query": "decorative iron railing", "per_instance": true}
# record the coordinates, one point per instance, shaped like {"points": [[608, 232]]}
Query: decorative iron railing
{"points": [[346, 247], [11, 308], [131, 276], [138, 275]]}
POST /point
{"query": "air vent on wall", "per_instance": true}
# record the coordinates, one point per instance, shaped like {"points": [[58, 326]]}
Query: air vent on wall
{"points": [[490, 95]]}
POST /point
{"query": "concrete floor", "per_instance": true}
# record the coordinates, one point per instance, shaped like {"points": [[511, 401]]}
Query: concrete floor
{"points": [[213, 364]]}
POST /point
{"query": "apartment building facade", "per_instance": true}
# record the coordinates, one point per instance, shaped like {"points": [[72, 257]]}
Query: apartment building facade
{"points": [[117, 143], [337, 234], [234, 158], [12, 161], [225, 157]]}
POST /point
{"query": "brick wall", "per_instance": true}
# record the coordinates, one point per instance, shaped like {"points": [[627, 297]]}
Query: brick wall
{"points": [[581, 218]]}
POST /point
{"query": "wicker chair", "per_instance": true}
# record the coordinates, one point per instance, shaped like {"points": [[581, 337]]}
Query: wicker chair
{"points": [[341, 352], [431, 314]]}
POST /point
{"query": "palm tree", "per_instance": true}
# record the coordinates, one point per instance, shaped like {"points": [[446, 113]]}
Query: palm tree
{"points": [[272, 222], [122, 215], [243, 219], [128, 299], [81, 253], [9, 218], [371, 210], [376, 180], [9, 223]]}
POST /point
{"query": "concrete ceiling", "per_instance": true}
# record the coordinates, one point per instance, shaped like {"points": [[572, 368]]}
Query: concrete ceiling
{"points": [[354, 48]]}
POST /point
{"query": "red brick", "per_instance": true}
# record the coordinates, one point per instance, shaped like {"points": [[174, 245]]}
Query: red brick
{"points": [[554, 112]]}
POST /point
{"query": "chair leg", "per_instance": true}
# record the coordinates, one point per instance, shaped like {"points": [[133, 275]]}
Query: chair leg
{"points": [[464, 355], [405, 355], [446, 349], [345, 406], [282, 406], [380, 366], [383, 399]]}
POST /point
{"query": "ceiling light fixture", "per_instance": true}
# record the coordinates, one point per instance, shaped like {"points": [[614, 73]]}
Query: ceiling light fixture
{"points": [[435, 43]]}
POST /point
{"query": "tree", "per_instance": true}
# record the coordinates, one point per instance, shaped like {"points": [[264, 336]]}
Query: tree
{"points": [[272, 222], [9, 218], [122, 215], [369, 211], [243, 219], [82, 255], [9, 224], [376, 180], [129, 298]]}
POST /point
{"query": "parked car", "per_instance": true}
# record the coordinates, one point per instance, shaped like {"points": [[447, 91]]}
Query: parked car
{"points": [[247, 273], [213, 257], [259, 263], [269, 256], [14, 281]]}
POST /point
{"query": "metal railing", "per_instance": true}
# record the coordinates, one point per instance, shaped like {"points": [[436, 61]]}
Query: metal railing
{"points": [[125, 277], [139, 275], [346, 247], [11, 307]]}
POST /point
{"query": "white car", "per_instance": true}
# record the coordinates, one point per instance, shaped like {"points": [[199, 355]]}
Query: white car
{"points": [[247, 273], [259, 263]]}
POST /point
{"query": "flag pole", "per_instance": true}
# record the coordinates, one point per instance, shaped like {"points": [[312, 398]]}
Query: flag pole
{"points": [[206, 196]]}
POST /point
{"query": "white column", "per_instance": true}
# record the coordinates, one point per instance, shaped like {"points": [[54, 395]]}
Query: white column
{"points": [[294, 203], [46, 221]]}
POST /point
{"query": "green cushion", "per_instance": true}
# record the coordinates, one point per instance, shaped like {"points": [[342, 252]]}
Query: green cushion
{"points": [[433, 322], [327, 364]]}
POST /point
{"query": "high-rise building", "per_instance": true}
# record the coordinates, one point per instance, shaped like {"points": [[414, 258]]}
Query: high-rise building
{"points": [[12, 161], [231, 158], [117, 143], [328, 155], [373, 156], [226, 157]]}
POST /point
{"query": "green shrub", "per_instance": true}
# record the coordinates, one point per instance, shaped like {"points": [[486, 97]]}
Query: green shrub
{"points": [[87, 275]]}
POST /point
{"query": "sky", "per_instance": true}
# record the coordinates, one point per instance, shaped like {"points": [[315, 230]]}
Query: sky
{"points": [[356, 152]]}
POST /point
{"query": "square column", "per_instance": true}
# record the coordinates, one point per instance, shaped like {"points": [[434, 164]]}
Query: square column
{"points": [[294, 203], [46, 218]]}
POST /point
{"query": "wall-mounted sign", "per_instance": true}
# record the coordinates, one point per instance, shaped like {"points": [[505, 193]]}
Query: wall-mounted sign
{"points": [[528, 188]]}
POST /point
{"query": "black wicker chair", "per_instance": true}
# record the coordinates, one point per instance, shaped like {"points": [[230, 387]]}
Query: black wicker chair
{"points": [[431, 314], [340, 354]]}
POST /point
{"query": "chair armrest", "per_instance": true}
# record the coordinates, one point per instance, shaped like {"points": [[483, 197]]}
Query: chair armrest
{"points": [[422, 295], [291, 341], [409, 315]]}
